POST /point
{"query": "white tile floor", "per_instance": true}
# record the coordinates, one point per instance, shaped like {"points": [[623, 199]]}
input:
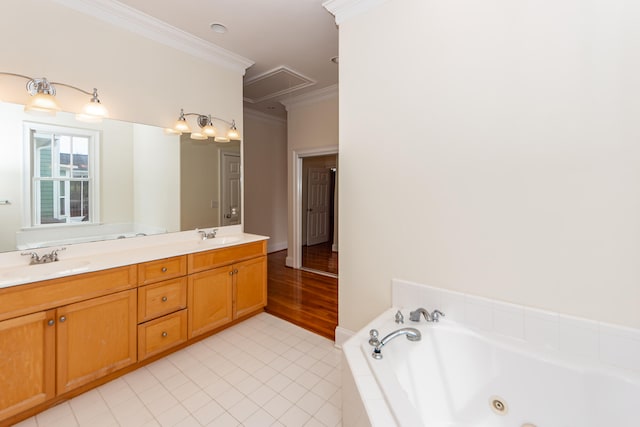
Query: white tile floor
{"points": [[262, 372]]}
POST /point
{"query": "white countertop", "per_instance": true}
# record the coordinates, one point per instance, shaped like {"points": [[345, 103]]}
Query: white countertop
{"points": [[95, 256]]}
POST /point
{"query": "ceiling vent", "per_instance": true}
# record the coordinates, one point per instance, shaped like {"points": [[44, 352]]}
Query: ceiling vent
{"points": [[277, 82]]}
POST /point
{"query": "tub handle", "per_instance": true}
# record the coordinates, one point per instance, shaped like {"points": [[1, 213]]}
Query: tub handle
{"points": [[399, 317], [373, 337], [435, 316]]}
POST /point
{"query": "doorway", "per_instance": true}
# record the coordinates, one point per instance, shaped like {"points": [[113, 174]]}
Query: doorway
{"points": [[294, 256], [319, 243], [230, 188]]}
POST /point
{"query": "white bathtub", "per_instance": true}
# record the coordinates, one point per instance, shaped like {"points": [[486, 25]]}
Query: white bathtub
{"points": [[454, 374]]}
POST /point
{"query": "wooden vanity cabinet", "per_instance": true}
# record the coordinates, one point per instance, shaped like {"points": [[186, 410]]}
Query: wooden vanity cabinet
{"points": [[27, 362], [63, 335], [162, 269], [94, 338], [250, 286], [162, 305], [226, 284], [83, 327], [210, 300]]}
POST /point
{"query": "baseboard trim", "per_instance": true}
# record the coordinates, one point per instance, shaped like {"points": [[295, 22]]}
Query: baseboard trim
{"points": [[342, 335], [289, 261], [276, 246]]}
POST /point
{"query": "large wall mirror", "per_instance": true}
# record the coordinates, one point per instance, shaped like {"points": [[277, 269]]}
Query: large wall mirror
{"points": [[63, 181]]}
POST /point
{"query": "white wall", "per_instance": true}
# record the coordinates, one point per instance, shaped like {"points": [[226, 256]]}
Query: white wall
{"points": [[265, 177], [492, 148], [310, 125]]}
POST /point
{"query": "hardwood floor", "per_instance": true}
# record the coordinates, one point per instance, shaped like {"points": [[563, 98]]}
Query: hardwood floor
{"points": [[306, 299], [320, 257]]}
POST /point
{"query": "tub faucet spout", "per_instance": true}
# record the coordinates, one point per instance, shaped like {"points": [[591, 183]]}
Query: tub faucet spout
{"points": [[415, 315], [429, 317], [412, 334]]}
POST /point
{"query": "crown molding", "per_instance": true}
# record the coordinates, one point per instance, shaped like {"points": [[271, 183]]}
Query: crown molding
{"points": [[346, 9], [263, 117], [123, 16], [310, 97]]}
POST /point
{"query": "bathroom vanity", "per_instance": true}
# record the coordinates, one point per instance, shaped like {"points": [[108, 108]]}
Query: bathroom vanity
{"points": [[107, 316]]}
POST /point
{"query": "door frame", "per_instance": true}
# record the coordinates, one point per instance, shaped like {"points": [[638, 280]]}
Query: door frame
{"points": [[294, 258], [221, 183]]}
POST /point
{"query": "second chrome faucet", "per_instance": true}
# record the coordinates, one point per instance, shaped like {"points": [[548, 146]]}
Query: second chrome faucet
{"points": [[414, 316], [207, 235]]}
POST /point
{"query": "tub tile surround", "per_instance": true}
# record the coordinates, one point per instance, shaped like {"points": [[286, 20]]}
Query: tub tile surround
{"points": [[94, 256], [571, 339]]}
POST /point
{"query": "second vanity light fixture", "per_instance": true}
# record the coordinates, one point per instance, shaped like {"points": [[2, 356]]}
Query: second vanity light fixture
{"points": [[43, 93], [205, 123]]}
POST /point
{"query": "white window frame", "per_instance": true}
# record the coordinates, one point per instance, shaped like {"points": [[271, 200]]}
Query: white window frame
{"points": [[30, 211]]}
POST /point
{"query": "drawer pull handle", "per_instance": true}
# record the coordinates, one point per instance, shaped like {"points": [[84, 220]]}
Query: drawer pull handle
{"points": [[164, 299], [51, 322], [62, 319], [164, 334], [164, 269]]}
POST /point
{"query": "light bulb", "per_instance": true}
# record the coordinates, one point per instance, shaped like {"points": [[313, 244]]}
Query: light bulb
{"points": [[43, 103], [198, 136], [233, 132]]}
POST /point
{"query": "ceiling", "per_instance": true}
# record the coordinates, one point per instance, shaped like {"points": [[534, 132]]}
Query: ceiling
{"points": [[290, 41]]}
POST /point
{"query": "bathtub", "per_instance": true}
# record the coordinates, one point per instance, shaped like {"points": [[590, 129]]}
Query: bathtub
{"points": [[456, 377]]}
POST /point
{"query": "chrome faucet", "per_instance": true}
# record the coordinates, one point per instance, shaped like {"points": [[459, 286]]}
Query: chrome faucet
{"points": [[414, 316], [412, 334], [44, 258], [210, 235]]}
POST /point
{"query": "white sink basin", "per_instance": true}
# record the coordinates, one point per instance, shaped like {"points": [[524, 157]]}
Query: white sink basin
{"points": [[42, 271], [221, 240]]}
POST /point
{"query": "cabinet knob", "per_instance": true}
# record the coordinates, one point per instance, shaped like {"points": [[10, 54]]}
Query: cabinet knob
{"points": [[235, 271], [231, 273], [164, 269], [51, 322], [164, 334], [164, 299], [62, 319]]}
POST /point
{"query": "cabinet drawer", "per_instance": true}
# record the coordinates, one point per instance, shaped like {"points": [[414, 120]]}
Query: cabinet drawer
{"points": [[162, 269], [216, 258], [161, 298], [161, 334]]}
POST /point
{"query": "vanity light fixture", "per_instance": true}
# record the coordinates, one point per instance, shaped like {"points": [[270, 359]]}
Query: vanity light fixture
{"points": [[205, 123], [43, 99]]}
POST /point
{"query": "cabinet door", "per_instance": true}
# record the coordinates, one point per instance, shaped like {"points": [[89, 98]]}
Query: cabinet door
{"points": [[250, 286], [27, 362], [210, 300], [94, 338]]}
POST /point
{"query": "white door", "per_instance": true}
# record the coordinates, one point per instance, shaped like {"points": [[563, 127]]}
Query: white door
{"points": [[318, 205], [230, 183]]}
